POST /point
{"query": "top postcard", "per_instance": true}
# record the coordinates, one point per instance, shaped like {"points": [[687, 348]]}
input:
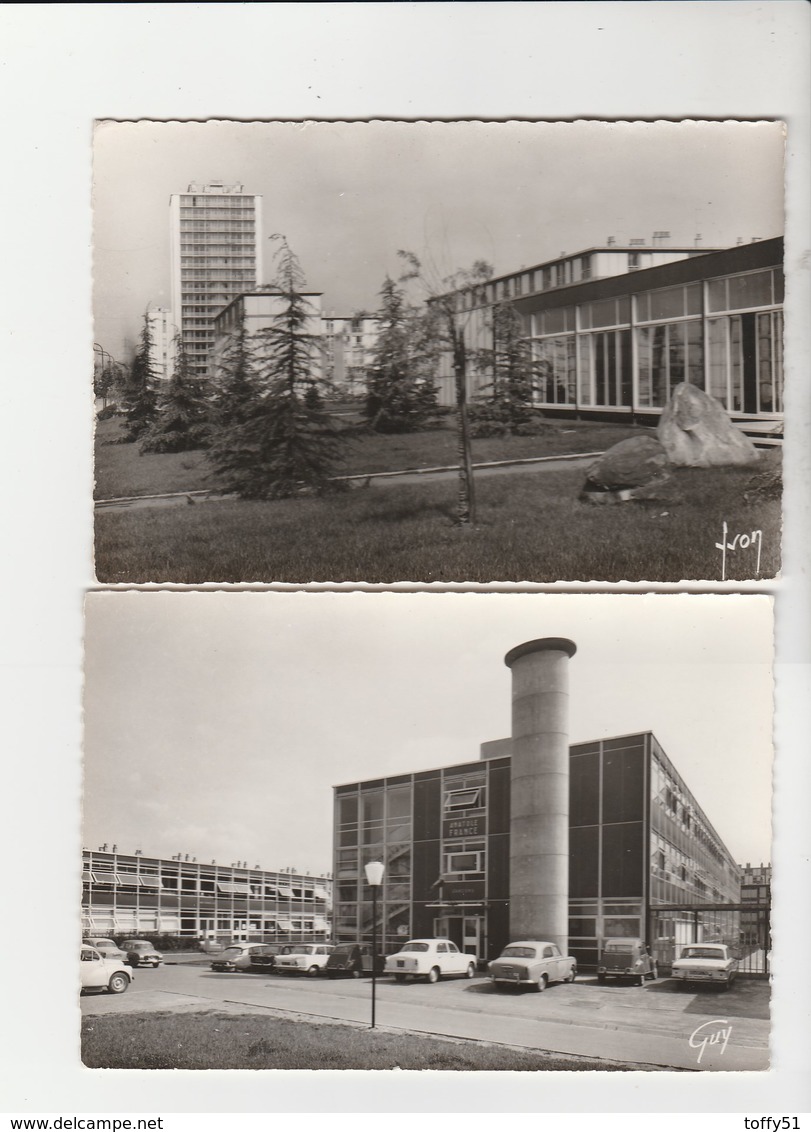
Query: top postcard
{"points": [[438, 352]]}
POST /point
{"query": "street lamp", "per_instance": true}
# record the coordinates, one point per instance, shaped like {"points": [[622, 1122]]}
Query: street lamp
{"points": [[374, 878]]}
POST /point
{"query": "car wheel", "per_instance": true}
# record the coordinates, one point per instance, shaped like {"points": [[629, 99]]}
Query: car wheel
{"points": [[156, 965], [543, 983], [399, 978], [639, 980], [433, 975], [356, 972], [570, 978], [471, 970], [118, 983], [312, 971], [601, 978]]}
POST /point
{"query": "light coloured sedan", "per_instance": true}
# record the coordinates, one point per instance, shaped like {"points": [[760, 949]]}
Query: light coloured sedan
{"points": [[106, 947], [532, 962], [101, 973], [303, 959], [706, 963], [431, 959]]}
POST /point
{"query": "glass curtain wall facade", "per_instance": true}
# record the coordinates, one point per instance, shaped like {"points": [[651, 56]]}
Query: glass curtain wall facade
{"points": [[637, 840], [618, 345], [139, 895], [215, 240]]}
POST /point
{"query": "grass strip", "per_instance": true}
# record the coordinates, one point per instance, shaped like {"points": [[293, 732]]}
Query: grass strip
{"points": [[215, 1040]]}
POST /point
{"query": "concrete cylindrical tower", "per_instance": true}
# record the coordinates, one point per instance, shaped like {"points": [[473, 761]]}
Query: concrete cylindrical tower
{"points": [[539, 790]]}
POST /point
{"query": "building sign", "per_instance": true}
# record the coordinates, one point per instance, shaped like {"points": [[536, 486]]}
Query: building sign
{"points": [[465, 827], [460, 890]]}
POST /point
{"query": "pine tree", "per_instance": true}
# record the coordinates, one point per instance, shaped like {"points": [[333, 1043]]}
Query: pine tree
{"points": [[140, 400], [182, 422], [237, 387], [282, 442], [506, 405], [400, 397]]}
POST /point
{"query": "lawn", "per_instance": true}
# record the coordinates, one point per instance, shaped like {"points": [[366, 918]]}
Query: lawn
{"points": [[121, 470], [531, 527], [213, 1040]]}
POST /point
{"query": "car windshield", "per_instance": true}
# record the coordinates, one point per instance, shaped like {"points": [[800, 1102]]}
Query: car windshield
{"points": [[518, 953], [620, 945], [414, 946], [231, 951], [703, 953], [340, 952]]}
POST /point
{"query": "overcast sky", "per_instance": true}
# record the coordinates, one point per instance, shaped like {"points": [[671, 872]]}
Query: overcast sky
{"points": [[216, 724], [349, 195]]}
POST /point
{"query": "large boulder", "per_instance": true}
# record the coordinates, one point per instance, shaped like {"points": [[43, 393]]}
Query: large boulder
{"points": [[628, 470], [696, 432]]}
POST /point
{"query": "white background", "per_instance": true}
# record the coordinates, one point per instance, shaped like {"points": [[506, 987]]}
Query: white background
{"points": [[63, 66]]}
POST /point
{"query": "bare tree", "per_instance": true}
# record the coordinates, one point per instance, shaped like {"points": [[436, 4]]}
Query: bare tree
{"points": [[450, 319]]}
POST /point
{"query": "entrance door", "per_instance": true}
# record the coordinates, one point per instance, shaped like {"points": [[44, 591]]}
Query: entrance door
{"points": [[466, 932]]}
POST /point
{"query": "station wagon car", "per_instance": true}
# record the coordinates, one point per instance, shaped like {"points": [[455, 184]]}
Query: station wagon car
{"points": [[431, 959], [101, 973], [303, 958], [140, 952], [532, 962], [626, 959], [706, 963]]}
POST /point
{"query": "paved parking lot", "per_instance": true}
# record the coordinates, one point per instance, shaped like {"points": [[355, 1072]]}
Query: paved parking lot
{"points": [[658, 1024]]}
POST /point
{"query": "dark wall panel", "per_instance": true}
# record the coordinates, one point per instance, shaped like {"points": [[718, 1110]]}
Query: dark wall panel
{"points": [[498, 929], [583, 861], [622, 860], [498, 807], [584, 789], [426, 870], [427, 808], [623, 782], [498, 867]]}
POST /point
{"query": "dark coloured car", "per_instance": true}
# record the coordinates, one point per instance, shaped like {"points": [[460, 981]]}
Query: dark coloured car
{"points": [[264, 958], [353, 960], [141, 953], [626, 959]]}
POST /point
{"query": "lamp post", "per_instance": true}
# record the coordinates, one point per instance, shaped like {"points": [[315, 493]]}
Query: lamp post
{"points": [[374, 878]]}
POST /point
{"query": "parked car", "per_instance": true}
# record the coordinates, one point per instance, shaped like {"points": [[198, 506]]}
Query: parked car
{"points": [[430, 959], [235, 957], [100, 972], [532, 962], [264, 958], [626, 959], [354, 960], [106, 947], [706, 963], [303, 958], [141, 953]]}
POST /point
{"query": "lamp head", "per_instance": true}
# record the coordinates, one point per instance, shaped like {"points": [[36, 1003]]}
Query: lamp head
{"points": [[374, 873]]}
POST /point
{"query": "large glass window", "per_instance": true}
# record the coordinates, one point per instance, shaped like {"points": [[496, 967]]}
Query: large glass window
{"points": [[746, 361], [667, 355], [556, 380]]}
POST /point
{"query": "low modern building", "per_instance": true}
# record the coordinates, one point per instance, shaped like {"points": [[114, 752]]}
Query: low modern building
{"points": [[133, 894], [536, 839], [256, 311], [614, 330]]}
